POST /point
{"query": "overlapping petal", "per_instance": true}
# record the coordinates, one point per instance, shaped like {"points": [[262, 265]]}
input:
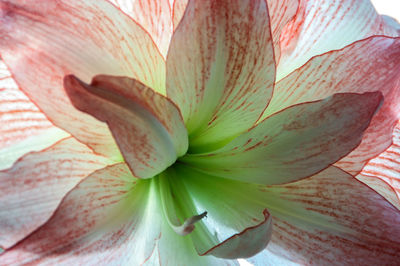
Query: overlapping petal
{"points": [[294, 143], [147, 127], [31, 190], [219, 63], [281, 12], [368, 65], [43, 41], [154, 16], [324, 25], [386, 168], [336, 214], [104, 216], [310, 224], [23, 127]]}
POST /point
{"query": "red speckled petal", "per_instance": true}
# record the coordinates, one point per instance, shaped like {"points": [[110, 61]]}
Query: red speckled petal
{"points": [[31, 190], [147, 127], [334, 220], [23, 127], [178, 9], [155, 16], [327, 219], [294, 143], [19, 118], [109, 218], [221, 68], [41, 42], [385, 167], [368, 65], [324, 25], [280, 13]]}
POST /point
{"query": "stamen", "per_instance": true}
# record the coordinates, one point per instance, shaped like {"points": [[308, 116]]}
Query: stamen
{"points": [[170, 209], [188, 226]]}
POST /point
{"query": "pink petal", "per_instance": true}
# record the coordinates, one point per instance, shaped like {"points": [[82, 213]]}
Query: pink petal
{"points": [[22, 124], [334, 220], [219, 63], [280, 12], [382, 187], [294, 143], [178, 9], [385, 167], [155, 16], [31, 190], [147, 127], [368, 65], [108, 218], [19, 117], [42, 42], [324, 25]]}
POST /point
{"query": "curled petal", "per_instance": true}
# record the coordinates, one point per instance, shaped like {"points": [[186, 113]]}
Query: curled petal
{"points": [[245, 244], [294, 143], [147, 127]]}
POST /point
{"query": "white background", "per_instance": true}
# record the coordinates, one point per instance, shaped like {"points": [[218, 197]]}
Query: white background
{"points": [[388, 7]]}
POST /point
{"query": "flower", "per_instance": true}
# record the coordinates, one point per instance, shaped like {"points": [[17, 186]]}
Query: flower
{"points": [[241, 128]]}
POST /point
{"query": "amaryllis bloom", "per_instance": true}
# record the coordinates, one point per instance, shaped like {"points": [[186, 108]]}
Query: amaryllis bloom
{"points": [[197, 132]]}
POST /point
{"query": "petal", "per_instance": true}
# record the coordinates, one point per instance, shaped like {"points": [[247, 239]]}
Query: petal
{"points": [[385, 189], [368, 65], [334, 220], [294, 143], [270, 258], [227, 236], [23, 127], [219, 63], [178, 9], [280, 13], [385, 167], [328, 219], [246, 243], [108, 218], [31, 190], [43, 42], [154, 16], [147, 127], [392, 23], [325, 25]]}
